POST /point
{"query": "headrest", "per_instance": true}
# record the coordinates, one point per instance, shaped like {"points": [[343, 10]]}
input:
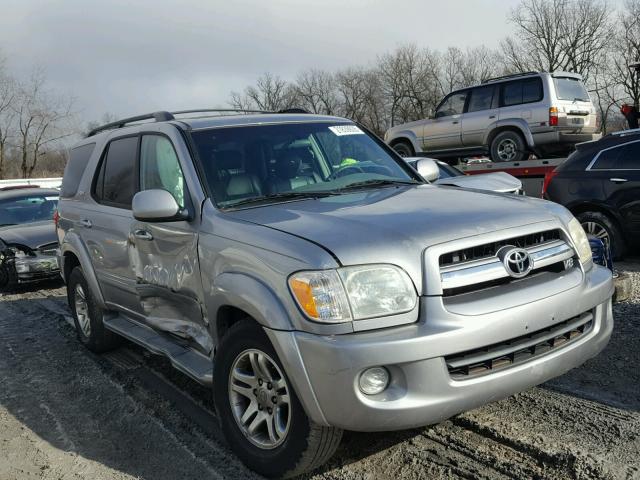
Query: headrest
{"points": [[288, 165], [228, 159]]}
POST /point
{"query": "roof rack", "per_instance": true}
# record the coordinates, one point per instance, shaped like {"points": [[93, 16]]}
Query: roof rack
{"points": [[512, 75], [624, 133], [163, 116]]}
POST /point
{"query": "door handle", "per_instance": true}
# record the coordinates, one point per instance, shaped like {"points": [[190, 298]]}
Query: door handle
{"points": [[618, 180], [85, 223], [142, 235], [492, 116], [455, 122]]}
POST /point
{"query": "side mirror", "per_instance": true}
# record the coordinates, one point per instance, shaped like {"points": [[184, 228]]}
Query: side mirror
{"points": [[428, 169], [156, 206]]}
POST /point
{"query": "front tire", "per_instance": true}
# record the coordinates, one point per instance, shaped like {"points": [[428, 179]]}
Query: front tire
{"points": [[508, 146], [260, 414], [87, 315], [601, 226], [404, 148]]}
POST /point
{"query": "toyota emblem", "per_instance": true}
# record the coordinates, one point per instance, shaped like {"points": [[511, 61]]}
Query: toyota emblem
{"points": [[517, 261]]}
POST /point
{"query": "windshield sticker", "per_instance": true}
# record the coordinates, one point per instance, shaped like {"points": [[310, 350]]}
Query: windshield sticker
{"points": [[340, 130], [51, 199]]}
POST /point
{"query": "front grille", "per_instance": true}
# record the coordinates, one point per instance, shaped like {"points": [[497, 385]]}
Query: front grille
{"points": [[485, 360], [489, 250]]}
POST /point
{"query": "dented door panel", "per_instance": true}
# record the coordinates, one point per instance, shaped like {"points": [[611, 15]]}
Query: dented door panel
{"points": [[168, 281]]}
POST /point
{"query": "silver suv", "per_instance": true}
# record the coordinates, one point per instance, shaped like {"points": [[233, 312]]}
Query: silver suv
{"points": [[507, 117], [298, 266]]}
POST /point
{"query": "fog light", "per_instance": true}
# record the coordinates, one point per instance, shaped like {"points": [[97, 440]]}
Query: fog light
{"points": [[374, 380]]}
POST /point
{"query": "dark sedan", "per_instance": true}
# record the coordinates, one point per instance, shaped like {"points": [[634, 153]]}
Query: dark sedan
{"points": [[600, 184], [28, 242]]}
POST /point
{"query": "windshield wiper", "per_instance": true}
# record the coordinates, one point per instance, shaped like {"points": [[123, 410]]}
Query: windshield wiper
{"points": [[280, 196], [376, 183], [7, 224]]}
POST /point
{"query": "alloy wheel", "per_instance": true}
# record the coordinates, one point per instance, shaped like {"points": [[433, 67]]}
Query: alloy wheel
{"points": [[507, 150], [259, 398], [597, 230], [82, 310]]}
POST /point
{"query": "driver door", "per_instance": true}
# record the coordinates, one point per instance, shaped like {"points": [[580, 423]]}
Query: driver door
{"points": [[444, 131]]}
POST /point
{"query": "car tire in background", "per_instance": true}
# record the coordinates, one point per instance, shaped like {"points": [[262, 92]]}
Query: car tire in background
{"points": [[87, 315], [600, 225], [8, 278], [404, 148], [508, 146], [254, 398]]}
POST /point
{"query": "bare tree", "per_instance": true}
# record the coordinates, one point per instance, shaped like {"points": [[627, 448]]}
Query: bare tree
{"points": [[315, 90], [7, 100], [558, 35], [271, 93], [41, 118], [627, 51]]}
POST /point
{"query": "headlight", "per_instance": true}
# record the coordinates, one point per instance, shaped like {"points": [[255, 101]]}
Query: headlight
{"points": [[580, 241], [353, 292]]}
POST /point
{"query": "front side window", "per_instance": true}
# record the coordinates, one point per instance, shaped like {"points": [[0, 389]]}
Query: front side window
{"points": [[481, 99], [452, 105], [160, 167], [271, 162], [27, 209], [115, 184]]}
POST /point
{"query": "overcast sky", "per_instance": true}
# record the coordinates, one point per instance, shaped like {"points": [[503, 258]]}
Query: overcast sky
{"points": [[130, 57]]}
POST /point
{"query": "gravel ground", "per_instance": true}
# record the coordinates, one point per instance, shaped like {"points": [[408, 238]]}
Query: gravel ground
{"points": [[66, 413]]}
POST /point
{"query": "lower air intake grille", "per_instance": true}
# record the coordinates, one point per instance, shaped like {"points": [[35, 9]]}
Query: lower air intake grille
{"points": [[481, 361]]}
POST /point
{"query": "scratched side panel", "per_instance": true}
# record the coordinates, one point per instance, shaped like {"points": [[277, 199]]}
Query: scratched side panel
{"points": [[168, 281]]}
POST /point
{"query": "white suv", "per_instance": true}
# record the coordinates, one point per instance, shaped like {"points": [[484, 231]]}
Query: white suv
{"points": [[506, 117]]}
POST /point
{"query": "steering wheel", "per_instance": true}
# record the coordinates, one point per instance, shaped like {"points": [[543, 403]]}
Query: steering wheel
{"points": [[342, 171]]}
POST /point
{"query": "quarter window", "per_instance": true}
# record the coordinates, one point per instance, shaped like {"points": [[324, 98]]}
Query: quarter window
{"points": [[160, 168], [78, 159], [522, 91], [115, 184]]}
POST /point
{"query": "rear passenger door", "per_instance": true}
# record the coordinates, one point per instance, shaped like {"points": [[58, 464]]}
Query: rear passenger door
{"points": [[164, 255], [105, 225], [518, 99], [481, 111], [622, 182]]}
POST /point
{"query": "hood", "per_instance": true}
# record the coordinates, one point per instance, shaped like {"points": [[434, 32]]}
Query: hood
{"points": [[32, 235], [394, 225], [496, 182]]}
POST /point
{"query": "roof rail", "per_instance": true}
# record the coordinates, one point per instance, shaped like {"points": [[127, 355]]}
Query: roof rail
{"points": [[512, 75], [163, 116], [624, 133], [157, 116]]}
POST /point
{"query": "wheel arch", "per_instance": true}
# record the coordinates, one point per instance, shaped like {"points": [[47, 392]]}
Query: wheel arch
{"points": [[582, 207], [73, 253], [518, 126]]}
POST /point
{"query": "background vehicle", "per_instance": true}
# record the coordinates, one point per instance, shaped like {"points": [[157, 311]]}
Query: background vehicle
{"points": [[449, 175], [289, 261], [28, 242], [507, 117], [600, 185]]}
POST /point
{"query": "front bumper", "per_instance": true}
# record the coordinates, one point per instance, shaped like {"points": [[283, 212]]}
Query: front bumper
{"points": [[325, 369]]}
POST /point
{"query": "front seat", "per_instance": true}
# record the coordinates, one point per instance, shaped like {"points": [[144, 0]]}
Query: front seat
{"points": [[287, 174]]}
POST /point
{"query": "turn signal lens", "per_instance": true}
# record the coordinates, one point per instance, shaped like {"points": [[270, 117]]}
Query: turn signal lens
{"points": [[321, 296]]}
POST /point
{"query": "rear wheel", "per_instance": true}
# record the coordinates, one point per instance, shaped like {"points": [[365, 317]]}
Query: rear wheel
{"points": [[87, 315], [600, 225], [260, 414], [508, 146], [404, 148]]}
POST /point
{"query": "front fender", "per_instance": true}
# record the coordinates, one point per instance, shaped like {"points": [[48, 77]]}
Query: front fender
{"points": [[73, 244], [518, 123], [250, 295]]}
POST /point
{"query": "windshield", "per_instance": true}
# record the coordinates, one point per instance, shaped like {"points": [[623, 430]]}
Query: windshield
{"points": [[27, 209], [571, 89], [296, 160]]}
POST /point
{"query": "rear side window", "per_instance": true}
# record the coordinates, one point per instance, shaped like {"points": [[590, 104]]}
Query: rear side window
{"points": [[623, 157], [570, 89], [116, 180], [78, 159], [522, 91], [481, 99]]}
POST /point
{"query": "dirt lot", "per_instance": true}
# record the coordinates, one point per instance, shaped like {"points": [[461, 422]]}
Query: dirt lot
{"points": [[66, 413]]}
